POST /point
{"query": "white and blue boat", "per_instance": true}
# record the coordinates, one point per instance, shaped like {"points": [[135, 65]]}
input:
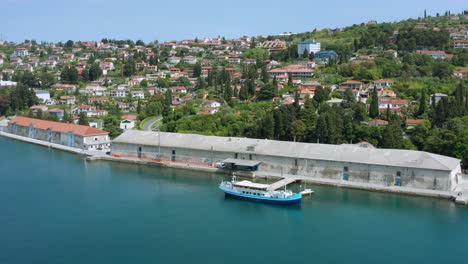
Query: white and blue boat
{"points": [[246, 190]]}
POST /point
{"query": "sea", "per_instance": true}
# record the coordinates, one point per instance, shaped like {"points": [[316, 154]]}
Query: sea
{"points": [[56, 207]]}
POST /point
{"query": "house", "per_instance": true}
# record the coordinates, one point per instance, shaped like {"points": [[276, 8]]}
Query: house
{"points": [[178, 89], [37, 108], [128, 122], [98, 100], [69, 88], [97, 113], [7, 84], [21, 52], [44, 96], [377, 122], [463, 73], [1, 62], [412, 123], [173, 60], [309, 46], [460, 44], [392, 103], [437, 97], [351, 84], [56, 112], [71, 135], [209, 111], [106, 67], [84, 109], [436, 54], [68, 100], [212, 103], [138, 94], [383, 83], [118, 93], [190, 60], [325, 56], [295, 70]]}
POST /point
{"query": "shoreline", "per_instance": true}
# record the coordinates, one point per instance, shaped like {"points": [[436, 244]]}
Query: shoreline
{"points": [[99, 156]]}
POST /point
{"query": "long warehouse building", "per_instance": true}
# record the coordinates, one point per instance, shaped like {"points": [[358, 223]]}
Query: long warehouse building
{"points": [[356, 163]]}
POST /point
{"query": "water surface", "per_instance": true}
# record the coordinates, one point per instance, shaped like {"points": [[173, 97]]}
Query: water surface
{"points": [[57, 208]]}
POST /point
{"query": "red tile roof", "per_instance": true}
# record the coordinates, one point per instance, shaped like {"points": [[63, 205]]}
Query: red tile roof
{"points": [[57, 126]]}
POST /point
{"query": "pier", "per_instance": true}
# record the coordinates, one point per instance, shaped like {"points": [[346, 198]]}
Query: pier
{"points": [[281, 183]]}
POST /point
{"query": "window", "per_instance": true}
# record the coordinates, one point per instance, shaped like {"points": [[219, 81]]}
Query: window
{"points": [[295, 162], [139, 149], [250, 156], [398, 174], [346, 169], [236, 156]]}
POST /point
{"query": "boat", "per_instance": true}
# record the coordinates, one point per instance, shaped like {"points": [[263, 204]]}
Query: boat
{"points": [[247, 190]]}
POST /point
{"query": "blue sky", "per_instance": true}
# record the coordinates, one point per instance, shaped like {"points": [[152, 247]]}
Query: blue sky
{"points": [[60, 20]]}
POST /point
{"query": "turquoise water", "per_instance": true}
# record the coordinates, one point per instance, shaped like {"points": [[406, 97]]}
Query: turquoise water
{"points": [[57, 208]]}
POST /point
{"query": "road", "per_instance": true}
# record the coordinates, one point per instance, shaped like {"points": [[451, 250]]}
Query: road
{"points": [[148, 125]]}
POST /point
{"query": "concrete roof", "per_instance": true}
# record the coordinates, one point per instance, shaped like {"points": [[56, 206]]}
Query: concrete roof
{"points": [[341, 153]]}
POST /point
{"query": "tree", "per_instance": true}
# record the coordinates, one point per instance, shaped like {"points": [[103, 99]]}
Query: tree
{"points": [[197, 70], [298, 130], [69, 44], [144, 83], [360, 112], [392, 137], [129, 67], [83, 119], [94, 72], [112, 125], [305, 54], [374, 105], [422, 103], [290, 80], [69, 74]]}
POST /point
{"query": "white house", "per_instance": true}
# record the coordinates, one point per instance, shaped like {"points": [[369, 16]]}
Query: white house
{"points": [[213, 104], [128, 122], [44, 96], [310, 45], [190, 60], [138, 94], [118, 93], [173, 60], [21, 52]]}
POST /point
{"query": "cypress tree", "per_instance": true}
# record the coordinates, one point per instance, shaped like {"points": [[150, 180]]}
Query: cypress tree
{"points": [[422, 103], [374, 106]]}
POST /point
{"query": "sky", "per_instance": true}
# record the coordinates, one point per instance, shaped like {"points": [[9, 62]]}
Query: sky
{"points": [[149, 20]]}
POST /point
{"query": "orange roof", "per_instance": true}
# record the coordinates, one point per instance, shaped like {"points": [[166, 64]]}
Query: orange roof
{"points": [[414, 121], [57, 126], [351, 82]]}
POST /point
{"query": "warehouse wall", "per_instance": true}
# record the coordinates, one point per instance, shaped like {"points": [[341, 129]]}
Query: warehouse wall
{"points": [[366, 173]]}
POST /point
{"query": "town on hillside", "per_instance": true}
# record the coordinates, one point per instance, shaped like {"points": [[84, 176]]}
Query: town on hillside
{"points": [[400, 85]]}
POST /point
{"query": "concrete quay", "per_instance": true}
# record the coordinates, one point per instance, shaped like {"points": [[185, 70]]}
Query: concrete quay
{"points": [[459, 195]]}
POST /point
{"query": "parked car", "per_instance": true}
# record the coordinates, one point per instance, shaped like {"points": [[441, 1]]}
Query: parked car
{"points": [[220, 165]]}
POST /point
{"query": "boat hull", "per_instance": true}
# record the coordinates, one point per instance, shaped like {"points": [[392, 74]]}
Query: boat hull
{"points": [[293, 200]]}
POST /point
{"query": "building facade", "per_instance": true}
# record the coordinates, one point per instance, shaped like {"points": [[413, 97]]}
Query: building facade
{"points": [[386, 167], [71, 135], [310, 45]]}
